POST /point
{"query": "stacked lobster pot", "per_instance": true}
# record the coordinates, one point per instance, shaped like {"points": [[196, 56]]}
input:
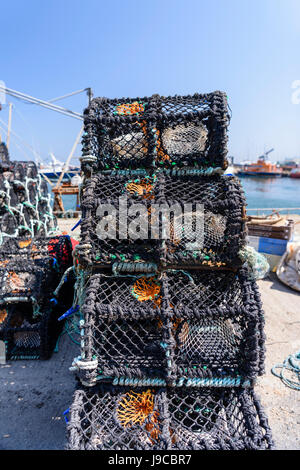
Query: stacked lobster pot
{"points": [[30, 271], [25, 208], [172, 333]]}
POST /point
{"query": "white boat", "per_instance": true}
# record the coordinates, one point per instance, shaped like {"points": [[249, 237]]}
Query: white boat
{"points": [[53, 170]]}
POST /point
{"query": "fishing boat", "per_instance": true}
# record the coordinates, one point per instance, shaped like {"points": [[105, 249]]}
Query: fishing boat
{"points": [[54, 170], [270, 219], [295, 173], [262, 167]]}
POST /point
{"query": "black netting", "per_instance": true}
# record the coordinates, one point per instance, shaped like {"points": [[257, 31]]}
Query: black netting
{"points": [[156, 132], [118, 134], [128, 240], [218, 235], [4, 155], [43, 252], [183, 218], [30, 270], [20, 278], [32, 334], [193, 327], [25, 207], [121, 418], [30, 327], [183, 292]]}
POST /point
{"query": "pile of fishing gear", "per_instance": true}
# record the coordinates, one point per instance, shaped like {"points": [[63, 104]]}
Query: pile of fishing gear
{"points": [[30, 271], [172, 338], [32, 261], [25, 208]]}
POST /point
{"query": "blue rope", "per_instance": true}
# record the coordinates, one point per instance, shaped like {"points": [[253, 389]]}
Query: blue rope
{"points": [[292, 364]]}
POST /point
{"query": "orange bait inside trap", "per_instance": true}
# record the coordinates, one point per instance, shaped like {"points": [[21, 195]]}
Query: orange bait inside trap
{"points": [[146, 288], [143, 189], [15, 282], [24, 243], [3, 315], [135, 408]]}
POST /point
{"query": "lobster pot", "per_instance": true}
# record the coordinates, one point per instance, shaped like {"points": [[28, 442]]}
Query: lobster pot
{"points": [[178, 293], [175, 218], [192, 131], [30, 270], [28, 315], [125, 235], [27, 336], [118, 231], [120, 418], [173, 329], [4, 156], [205, 219], [25, 170], [156, 132], [24, 202], [49, 252], [118, 134]]}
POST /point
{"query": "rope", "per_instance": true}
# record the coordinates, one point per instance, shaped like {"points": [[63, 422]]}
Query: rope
{"points": [[292, 365]]}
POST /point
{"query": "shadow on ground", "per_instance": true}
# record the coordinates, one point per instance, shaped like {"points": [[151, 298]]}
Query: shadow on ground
{"points": [[33, 397]]}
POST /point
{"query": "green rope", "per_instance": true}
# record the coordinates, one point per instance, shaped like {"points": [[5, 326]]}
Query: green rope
{"points": [[71, 329], [291, 364]]}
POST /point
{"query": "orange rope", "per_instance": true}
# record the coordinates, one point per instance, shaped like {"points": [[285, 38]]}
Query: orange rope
{"points": [[15, 282], [147, 289], [3, 315], [160, 151], [130, 108], [25, 243], [143, 188], [135, 408]]}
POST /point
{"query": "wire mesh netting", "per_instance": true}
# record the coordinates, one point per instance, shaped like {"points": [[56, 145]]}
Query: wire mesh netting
{"points": [[25, 207], [158, 131], [48, 252], [200, 328], [121, 418], [29, 329], [173, 217], [4, 155], [26, 336], [30, 270]]}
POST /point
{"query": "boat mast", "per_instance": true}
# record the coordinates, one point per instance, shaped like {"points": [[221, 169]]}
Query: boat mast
{"points": [[9, 126]]}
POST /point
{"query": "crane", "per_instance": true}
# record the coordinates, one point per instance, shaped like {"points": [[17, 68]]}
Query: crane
{"points": [[265, 154]]}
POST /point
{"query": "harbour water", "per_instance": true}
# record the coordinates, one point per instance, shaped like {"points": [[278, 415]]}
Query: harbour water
{"points": [[261, 192]]}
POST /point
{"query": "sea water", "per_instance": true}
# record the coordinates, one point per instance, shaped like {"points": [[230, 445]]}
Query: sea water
{"points": [[264, 192]]}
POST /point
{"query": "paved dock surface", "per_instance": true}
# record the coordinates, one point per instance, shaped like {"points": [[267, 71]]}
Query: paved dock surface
{"points": [[33, 397]]}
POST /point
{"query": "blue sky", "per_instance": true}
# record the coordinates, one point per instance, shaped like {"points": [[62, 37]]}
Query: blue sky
{"points": [[250, 49]]}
